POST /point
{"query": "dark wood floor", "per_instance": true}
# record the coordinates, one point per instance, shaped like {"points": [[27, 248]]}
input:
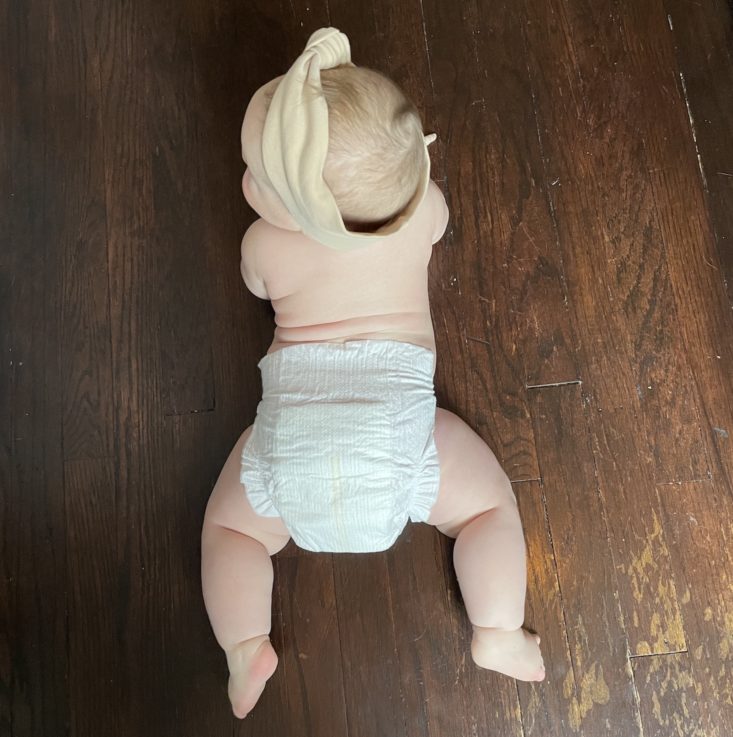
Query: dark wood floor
{"points": [[582, 304]]}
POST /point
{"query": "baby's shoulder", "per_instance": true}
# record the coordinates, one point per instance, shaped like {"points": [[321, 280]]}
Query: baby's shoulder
{"points": [[276, 253], [270, 243], [263, 234]]}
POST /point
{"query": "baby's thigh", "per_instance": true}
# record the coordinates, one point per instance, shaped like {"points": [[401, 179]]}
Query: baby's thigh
{"points": [[229, 506], [471, 479]]}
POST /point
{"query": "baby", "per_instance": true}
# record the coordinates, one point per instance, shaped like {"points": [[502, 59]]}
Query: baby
{"points": [[348, 445]]}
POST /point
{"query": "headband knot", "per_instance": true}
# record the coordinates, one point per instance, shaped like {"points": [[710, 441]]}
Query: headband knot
{"points": [[330, 46]]}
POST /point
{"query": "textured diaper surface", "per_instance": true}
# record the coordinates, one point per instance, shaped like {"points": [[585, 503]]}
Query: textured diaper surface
{"points": [[342, 448]]}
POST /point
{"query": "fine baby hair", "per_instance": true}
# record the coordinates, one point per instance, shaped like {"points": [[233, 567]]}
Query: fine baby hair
{"points": [[375, 145]]}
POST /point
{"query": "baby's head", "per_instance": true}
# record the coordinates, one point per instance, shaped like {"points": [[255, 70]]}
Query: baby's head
{"points": [[376, 149], [375, 146]]}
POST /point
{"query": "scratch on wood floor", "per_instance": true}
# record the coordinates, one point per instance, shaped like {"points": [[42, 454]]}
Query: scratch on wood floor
{"points": [[523, 226], [569, 382], [694, 132], [427, 49], [478, 340]]}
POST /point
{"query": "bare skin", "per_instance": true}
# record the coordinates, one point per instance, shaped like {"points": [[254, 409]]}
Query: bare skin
{"points": [[378, 292]]}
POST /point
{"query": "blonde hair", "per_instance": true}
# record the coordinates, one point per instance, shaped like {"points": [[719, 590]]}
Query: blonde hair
{"points": [[375, 148]]}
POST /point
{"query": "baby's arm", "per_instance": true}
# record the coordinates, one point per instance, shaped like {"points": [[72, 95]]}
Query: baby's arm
{"points": [[439, 210], [251, 244]]}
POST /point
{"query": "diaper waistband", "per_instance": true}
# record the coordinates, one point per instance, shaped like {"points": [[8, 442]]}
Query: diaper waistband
{"points": [[338, 368]]}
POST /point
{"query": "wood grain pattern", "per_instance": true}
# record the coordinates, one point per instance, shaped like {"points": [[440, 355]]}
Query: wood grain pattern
{"points": [[369, 646], [134, 309], [433, 646], [617, 280], [228, 70], [471, 295], [703, 39], [545, 706], [97, 687], [699, 518], [706, 322], [178, 237], [75, 173], [311, 656], [668, 697], [598, 690], [632, 274], [35, 698]]}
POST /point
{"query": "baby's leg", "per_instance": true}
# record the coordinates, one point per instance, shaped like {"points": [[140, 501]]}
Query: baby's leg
{"points": [[236, 573], [476, 505]]}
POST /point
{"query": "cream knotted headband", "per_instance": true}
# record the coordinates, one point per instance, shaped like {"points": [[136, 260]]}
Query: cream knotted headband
{"points": [[295, 145]]}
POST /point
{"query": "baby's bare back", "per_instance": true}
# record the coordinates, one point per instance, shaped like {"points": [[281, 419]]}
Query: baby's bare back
{"points": [[323, 295]]}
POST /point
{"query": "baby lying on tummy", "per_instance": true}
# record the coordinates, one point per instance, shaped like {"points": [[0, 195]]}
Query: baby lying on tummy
{"points": [[348, 445]]}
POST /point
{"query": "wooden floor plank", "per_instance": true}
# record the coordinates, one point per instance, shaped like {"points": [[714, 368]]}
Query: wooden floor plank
{"points": [[622, 222], [668, 696], [75, 169], [178, 236], [524, 247], [8, 490], [705, 319], [369, 650], [699, 518], [34, 676], [433, 654], [545, 706], [703, 38], [311, 654], [97, 686], [621, 302], [134, 310], [228, 68], [8, 493], [471, 294], [599, 688], [193, 667]]}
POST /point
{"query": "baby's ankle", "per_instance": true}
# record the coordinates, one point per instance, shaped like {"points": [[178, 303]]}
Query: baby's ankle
{"points": [[241, 652]]}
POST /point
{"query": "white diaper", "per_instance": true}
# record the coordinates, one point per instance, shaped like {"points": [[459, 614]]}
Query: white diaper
{"points": [[342, 448]]}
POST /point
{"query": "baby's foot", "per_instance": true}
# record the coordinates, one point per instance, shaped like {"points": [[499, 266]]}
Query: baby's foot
{"points": [[514, 653], [250, 663]]}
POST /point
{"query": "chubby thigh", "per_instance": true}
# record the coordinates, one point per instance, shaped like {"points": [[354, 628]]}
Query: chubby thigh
{"points": [[229, 507], [471, 479]]}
